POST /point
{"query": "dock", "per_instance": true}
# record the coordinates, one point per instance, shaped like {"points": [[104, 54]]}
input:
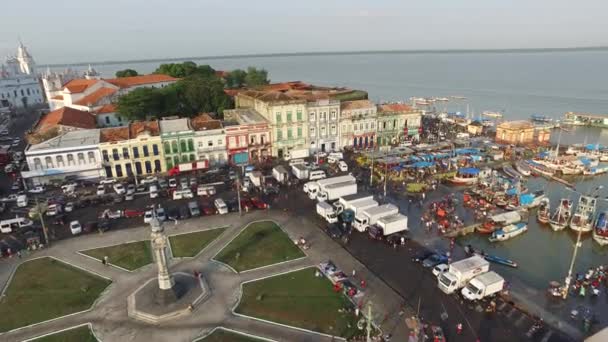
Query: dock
{"points": [[586, 119], [462, 231]]}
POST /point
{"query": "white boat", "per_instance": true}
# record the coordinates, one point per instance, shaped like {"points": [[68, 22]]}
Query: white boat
{"points": [[559, 220], [492, 114], [595, 170], [544, 211], [527, 201], [540, 169], [582, 220], [466, 176], [600, 231], [508, 232], [523, 168]]}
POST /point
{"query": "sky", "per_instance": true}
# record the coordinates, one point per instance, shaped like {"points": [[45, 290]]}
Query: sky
{"points": [[72, 31]]}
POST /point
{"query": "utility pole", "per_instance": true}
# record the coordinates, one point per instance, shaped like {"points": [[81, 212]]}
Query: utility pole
{"points": [[371, 174], [238, 193], [44, 229], [385, 176]]}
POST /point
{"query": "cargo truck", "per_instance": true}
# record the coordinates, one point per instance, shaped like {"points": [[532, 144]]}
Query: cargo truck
{"points": [[388, 225], [334, 191], [327, 211], [312, 188], [280, 174], [294, 154], [300, 171], [365, 218], [347, 202], [460, 272], [257, 178], [484, 285]]}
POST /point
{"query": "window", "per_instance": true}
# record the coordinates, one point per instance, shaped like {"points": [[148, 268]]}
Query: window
{"points": [[107, 119], [323, 131], [299, 132], [114, 154], [146, 150], [148, 166], [278, 115], [60, 161], [175, 160], [168, 162], [28, 91], [371, 125], [155, 149], [289, 116], [333, 115], [299, 115], [135, 152], [37, 163], [384, 125], [70, 159], [242, 141], [22, 92], [49, 162], [343, 128], [104, 155], [279, 135], [81, 158], [232, 142], [118, 171], [366, 126], [210, 143], [312, 131], [167, 147], [190, 145], [262, 138], [125, 153], [200, 144], [333, 129], [289, 133], [182, 145], [157, 167], [312, 116], [129, 170], [184, 158], [174, 147], [138, 166], [91, 156], [219, 141], [322, 116], [394, 123], [120, 119], [252, 140], [192, 158]]}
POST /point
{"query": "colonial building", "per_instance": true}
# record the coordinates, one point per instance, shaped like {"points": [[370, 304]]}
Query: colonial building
{"points": [[209, 140], [515, 132], [75, 154], [66, 119], [135, 149], [248, 124], [323, 125], [397, 122], [178, 141], [19, 86], [358, 124]]}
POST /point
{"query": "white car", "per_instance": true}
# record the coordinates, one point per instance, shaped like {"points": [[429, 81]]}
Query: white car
{"points": [[107, 181], [148, 180], [37, 190], [321, 154], [69, 188], [75, 227], [53, 210], [101, 190], [130, 189], [160, 214], [69, 207], [9, 198], [129, 197], [342, 166], [440, 269], [173, 183], [120, 189], [9, 168], [148, 215]]}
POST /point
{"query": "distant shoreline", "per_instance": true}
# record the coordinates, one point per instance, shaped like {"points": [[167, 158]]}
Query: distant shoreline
{"points": [[334, 53]]}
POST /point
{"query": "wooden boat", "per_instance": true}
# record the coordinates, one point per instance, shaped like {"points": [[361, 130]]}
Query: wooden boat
{"points": [[508, 232], [511, 172], [595, 170], [466, 176], [469, 250], [544, 211], [523, 168], [540, 169], [500, 220], [559, 220], [600, 231], [582, 220]]}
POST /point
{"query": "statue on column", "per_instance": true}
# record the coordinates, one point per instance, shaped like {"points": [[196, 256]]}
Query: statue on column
{"points": [[159, 243]]}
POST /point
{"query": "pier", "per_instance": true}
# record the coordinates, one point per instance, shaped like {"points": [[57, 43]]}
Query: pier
{"points": [[462, 231], [586, 119]]}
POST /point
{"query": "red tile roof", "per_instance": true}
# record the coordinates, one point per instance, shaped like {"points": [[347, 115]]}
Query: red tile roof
{"points": [[394, 107], [67, 116], [138, 127], [127, 82], [358, 104], [93, 98], [79, 85], [284, 86], [114, 134], [105, 109], [204, 122]]}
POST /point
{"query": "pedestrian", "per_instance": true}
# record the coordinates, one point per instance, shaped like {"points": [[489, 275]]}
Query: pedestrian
{"points": [[19, 254], [459, 328], [363, 284], [105, 260]]}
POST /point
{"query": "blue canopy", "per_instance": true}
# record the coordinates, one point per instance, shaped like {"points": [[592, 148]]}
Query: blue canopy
{"points": [[526, 199], [422, 164], [585, 161], [475, 157], [469, 171], [511, 191], [544, 154], [591, 147]]}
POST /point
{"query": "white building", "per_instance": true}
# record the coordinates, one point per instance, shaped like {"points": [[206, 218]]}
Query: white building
{"points": [[74, 153], [323, 125], [358, 122], [19, 85], [209, 140]]}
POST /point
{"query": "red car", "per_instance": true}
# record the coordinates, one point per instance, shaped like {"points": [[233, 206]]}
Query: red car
{"points": [[133, 213], [246, 204], [208, 210], [258, 203]]}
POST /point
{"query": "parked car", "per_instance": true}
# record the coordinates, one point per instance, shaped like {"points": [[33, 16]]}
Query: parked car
{"points": [[209, 210], [10, 168], [162, 183], [16, 186], [75, 227], [133, 213], [129, 197], [69, 207], [160, 214], [37, 189], [148, 180], [131, 189], [232, 175], [9, 198], [119, 189], [335, 230], [183, 183], [434, 260], [184, 213], [53, 209], [343, 166], [258, 203], [148, 215], [421, 255], [193, 181], [271, 189], [69, 188], [194, 209], [140, 188], [205, 190], [172, 183], [107, 181], [246, 204], [153, 191], [440, 269], [101, 190]]}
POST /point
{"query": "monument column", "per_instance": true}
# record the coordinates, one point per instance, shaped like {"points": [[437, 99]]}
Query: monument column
{"points": [[159, 246]]}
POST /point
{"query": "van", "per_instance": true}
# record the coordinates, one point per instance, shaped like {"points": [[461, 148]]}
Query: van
{"points": [[7, 226], [332, 159], [194, 209], [317, 174], [184, 193], [22, 201], [153, 191], [336, 155], [296, 162], [221, 206], [205, 190]]}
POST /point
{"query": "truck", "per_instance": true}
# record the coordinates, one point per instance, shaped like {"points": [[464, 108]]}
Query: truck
{"points": [[257, 178], [334, 191], [313, 187], [294, 154], [327, 211], [388, 225], [484, 285], [300, 171], [365, 218], [280, 174], [460, 272], [347, 202]]}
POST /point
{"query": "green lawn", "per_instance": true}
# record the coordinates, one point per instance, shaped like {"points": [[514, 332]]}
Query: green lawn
{"points": [[221, 335], [130, 256], [45, 288], [260, 244], [190, 244], [299, 299], [80, 334]]}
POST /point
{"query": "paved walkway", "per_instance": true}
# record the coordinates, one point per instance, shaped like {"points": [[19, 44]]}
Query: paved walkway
{"points": [[109, 315]]}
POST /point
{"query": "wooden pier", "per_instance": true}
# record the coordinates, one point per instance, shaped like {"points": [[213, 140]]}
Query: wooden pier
{"points": [[462, 231]]}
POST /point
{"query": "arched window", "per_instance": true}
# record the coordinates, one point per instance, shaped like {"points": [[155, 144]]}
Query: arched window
{"points": [[70, 159], [91, 157], [60, 161], [49, 162], [37, 163]]}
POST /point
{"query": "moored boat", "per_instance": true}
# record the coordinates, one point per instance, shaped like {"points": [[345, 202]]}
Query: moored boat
{"points": [[544, 211], [511, 172], [466, 176], [600, 231], [595, 170], [470, 250], [540, 169], [582, 220], [522, 167], [508, 232], [540, 118], [559, 220], [500, 220]]}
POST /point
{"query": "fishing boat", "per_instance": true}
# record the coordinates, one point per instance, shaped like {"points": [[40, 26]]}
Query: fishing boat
{"points": [[582, 220], [469, 250], [491, 114], [540, 118], [522, 167], [500, 220], [466, 176], [487, 123], [559, 220], [595, 170], [508, 232], [527, 201], [511, 172], [544, 211], [540, 169], [600, 231]]}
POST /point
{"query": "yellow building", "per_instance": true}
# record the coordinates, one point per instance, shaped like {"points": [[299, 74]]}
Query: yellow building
{"points": [[130, 150], [515, 132]]}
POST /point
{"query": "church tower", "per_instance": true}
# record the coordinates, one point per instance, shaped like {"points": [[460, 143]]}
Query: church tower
{"points": [[92, 74], [26, 62]]}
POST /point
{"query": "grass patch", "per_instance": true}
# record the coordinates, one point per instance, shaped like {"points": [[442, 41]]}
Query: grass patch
{"points": [[130, 256], [44, 289], [190, 244], [222, 335], [260, 244], [302, 300], [80, 334]]}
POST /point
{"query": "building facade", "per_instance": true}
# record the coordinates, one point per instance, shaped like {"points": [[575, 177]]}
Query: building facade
{"points": [[323, 125], [397, 122], [19, 85], [358, 124], [515, 132], [209, 140], [178, 141], [251, 125]]}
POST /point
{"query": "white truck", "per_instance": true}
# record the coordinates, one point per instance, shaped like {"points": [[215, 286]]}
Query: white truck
{"points": [[365, 218], [280, 174], [300, 171], [484, 285], [294, 154], [313, 187], [334, 191], [257, 178], [327, 211], [460, 272], [388, 225], [347, 202]]}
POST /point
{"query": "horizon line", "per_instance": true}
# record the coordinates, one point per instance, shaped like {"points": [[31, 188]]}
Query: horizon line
{"points": [[336, 53]]}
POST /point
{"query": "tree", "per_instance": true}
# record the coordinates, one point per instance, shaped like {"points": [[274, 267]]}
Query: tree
{"points": [[126, 73], [256, 77], [204, 94], [236, 78], [185, 69], [141, 103]]}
